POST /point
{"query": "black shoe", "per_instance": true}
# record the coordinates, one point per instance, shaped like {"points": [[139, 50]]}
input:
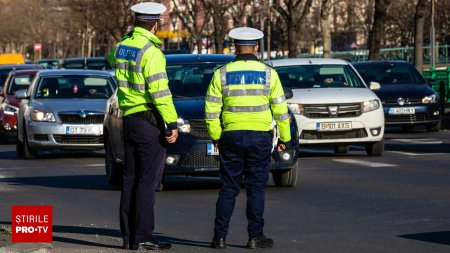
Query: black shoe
{"points": [[125, 245], [260, 242], [152, 245], [218, 243]]}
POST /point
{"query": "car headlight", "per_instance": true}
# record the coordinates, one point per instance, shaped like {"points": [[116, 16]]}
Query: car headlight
{"points": [[183, 125], [429, 99], [368, 106], [296, 108], [38, 115], [9, 109]]}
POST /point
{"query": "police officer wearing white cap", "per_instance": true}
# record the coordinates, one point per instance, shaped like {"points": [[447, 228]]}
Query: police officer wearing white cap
{"points": [[146, 102], [242, 100]]}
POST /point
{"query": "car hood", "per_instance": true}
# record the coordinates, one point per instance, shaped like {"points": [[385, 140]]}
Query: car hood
{"points": [[13, 100], [331, 95], [190, 108], [404, 90], [66, 105]]}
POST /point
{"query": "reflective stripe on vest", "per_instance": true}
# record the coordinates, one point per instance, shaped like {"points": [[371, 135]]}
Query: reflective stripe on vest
{"points": [[156, 77], [258, 108], [137, 58], [281, 117], [213, 99], [212, 115], [133, 86], [279, 100], [160, 94]]}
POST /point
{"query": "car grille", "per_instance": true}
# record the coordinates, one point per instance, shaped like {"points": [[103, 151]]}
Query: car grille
{"points": [[198, 128], [407, 118], [78, 139], [200, 160], [76, 118], [322, 111], [408, 101], [348, 134]]}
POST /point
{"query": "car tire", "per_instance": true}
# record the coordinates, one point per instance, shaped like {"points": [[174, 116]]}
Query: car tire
{"points": [[113, 169], [28, 153], [434, 127], [20, 148], [342, 149], [286, 178], [375, 149]]}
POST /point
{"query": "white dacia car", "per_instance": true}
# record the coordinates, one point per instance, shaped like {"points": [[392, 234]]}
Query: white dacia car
{"points": [[332, 104]]}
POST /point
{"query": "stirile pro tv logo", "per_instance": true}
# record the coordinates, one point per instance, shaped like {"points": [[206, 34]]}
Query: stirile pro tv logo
{"points": [[32, 224]]}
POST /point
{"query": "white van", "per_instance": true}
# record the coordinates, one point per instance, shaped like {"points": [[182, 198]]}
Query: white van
{"points": [[332, 104]]}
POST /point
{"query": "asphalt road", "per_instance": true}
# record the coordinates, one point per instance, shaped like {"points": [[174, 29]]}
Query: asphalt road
{"points": [[399, 202]]}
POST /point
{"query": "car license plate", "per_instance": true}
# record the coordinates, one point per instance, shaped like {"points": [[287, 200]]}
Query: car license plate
{"points": [[333, 126], [212, 150], [88, 130], [401, 110]]}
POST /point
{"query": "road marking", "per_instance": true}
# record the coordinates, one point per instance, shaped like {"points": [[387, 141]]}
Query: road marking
{"points": [[416, 154], [418, 141], [364, 163]]}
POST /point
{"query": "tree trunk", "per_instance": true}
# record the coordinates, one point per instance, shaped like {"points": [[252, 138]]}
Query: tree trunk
{"points": [[292, 40], [419, 21], [199, 43], [326, 28], [376, 34]]}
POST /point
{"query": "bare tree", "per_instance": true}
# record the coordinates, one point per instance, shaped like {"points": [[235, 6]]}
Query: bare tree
{"points": [[294, 13], [326, 27], [376, 34], [419, 20], [195, 16]]}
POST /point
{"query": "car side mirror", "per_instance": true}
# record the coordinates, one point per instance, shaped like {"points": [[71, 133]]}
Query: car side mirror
{"points": [[22, 94], [374, 85], [288, 93]]}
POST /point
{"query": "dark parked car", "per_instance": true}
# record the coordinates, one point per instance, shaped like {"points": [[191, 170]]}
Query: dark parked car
{"points": [[93, 63], [408, 100], [5, 69], [49, 63], [192, 154], [16, 80]]}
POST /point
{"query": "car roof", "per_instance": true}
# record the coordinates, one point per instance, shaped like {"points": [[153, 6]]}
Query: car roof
{"points": [[198, 58], [83, 59], [21, 66], [73, 72], [306, 61], [24, 71], [381, 62]]}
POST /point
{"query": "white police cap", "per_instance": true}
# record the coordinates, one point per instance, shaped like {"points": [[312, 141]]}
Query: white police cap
{"points": [[246, 35], [148, 10]]}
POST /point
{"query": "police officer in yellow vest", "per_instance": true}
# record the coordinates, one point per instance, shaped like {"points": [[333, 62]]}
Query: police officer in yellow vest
{"points": [[242, 100], [146, 102]]}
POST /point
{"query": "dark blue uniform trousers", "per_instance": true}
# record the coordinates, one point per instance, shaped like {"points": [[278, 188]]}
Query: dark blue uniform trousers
{"points": [[243, 153], [144, 164]]}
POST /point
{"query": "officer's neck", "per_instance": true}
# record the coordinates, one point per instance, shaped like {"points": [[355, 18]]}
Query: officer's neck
{"points": [[246, 57]]}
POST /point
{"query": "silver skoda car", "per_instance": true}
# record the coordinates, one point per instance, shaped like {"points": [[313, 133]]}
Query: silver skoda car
{"points": [[63, 109]]}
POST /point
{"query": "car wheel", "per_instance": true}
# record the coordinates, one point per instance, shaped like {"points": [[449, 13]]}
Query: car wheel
{"points": [[375, 149], [20, 148], [113, 168], [343, 149], [28, 153], [434, 127], [286, 178]]}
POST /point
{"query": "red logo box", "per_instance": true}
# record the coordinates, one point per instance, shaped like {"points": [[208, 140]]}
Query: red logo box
{"points": [[32, 224]]}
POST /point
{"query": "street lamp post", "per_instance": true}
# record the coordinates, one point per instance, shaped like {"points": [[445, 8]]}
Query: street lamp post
{"points": [[432, 36]]}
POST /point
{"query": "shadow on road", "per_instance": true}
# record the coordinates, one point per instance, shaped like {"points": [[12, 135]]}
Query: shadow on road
{"points": [[12, 155], [442, 237], [114, 233]]}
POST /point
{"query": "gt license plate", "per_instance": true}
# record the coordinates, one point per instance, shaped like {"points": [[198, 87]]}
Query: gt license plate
{"points": [[401, 110], [333, 126], [212, 150], [90, 130]]}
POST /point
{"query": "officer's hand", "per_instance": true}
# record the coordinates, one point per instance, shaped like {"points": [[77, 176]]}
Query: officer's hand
{"points": [[281, 147], [173, 136]]}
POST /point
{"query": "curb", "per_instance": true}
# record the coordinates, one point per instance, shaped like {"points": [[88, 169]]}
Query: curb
{"points": [[26, 248]]}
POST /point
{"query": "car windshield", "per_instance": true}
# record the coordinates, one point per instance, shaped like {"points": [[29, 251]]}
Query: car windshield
{"points": [[19, 82], [389, 73], [49, 64], [74, 86], [319, 76], [190, 80]]}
